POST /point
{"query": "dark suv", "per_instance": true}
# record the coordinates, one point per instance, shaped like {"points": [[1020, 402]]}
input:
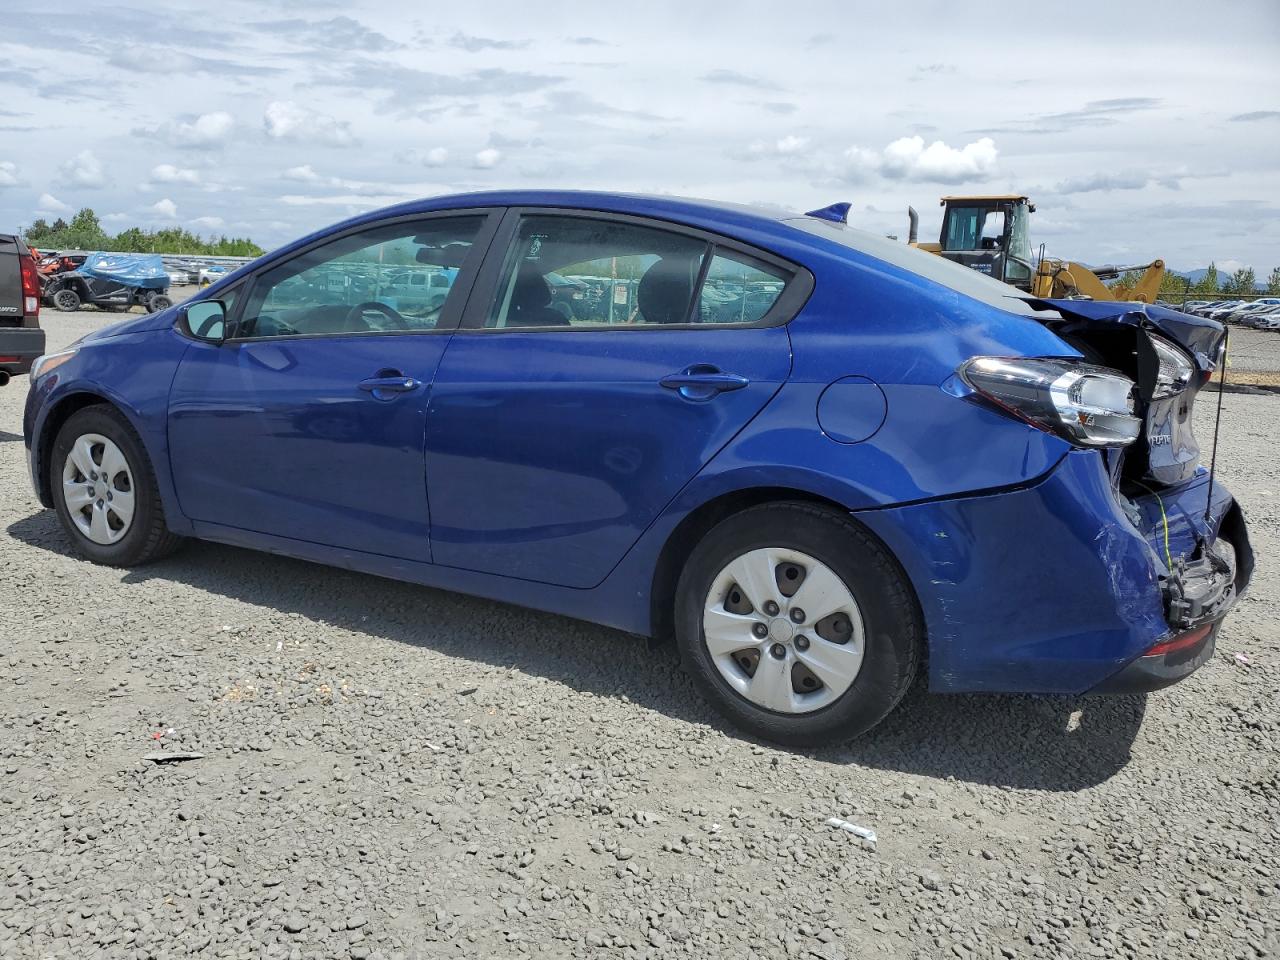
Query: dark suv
{"points": [[21, 339]]}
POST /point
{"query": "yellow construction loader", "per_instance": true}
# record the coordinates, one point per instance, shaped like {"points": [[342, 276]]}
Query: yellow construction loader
{"points": [[992, 235]]}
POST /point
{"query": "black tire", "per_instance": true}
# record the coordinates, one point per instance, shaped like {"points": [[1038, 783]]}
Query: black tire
{"points": [[148, 538], [66, 300], [894, 635], [159, 302]]}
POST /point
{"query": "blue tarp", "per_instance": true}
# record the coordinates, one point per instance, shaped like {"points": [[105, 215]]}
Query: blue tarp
{"points": [[136, 269]]}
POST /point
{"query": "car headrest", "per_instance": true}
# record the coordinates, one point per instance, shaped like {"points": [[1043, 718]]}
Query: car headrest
{"points": [[664, 292]]}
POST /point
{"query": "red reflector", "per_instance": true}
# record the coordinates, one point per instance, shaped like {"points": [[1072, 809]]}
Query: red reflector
{"points": [[1180, 642], [8, 359]]}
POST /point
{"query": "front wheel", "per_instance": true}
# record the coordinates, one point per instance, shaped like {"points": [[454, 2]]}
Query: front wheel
{"points": [[158, 302], [797, 624], [104, 491]]}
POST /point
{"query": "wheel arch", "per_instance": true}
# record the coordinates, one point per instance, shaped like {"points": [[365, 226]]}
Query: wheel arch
{"points": [[697, 522], [59, 413]]}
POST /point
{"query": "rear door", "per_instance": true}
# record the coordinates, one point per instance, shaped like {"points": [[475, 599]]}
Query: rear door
{"points": [[556, 436], [309, 423]]}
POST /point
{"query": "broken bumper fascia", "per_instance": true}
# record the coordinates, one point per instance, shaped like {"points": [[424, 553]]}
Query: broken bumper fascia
{"points": [[1056, 587], [1154, 671]]}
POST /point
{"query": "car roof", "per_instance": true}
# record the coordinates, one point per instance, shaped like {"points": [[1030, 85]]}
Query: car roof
{"points": [[714, 215]]}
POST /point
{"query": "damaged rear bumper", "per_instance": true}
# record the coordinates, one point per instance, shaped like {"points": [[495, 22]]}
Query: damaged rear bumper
{"points": [[1198, 590], [1061, 588], [1170, 662]]}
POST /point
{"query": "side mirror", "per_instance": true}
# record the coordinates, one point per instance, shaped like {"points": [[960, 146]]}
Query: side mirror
{"points": [[204, 320]]}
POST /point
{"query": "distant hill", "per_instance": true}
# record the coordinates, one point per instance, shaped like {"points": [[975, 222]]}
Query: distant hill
{"points": [[1195, 276]]}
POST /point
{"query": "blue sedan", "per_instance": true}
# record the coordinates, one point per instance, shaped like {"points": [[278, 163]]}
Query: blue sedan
{"points": [[823, 461]]}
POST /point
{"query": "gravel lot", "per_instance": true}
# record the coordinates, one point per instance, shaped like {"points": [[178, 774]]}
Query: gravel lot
{"points": [[390, 771]]}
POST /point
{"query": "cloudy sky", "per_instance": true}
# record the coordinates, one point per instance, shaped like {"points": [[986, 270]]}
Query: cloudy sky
{"points": [[1156, 133]]}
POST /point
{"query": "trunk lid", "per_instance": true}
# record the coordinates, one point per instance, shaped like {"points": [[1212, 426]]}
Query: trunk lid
{"points": [[1119, 335]]}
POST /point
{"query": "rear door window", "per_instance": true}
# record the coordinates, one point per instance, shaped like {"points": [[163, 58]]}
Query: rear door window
{"points": [[572, 272]]}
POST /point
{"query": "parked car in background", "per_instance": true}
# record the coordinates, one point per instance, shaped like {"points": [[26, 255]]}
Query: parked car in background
{"points": [[1263, 318], [791, 491], [21, 339], [419, 291], [211, 274], [1245, 310]]}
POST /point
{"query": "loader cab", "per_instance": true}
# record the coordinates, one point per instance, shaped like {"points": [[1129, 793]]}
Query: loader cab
{"points": [[991, 235]]}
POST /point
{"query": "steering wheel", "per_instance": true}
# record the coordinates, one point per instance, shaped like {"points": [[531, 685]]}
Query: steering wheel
{"points": [[397, 321], [266, 325]]}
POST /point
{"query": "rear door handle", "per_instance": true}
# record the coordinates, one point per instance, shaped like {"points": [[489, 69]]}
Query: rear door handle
{"points": [[387, 384], [702, 381]]}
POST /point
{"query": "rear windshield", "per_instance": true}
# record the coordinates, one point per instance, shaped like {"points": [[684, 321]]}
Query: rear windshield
{"points": [[928, 265]]}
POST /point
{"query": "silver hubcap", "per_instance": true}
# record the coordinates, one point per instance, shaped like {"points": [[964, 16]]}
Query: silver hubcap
{"points": [[783, 630], [98, 488]]}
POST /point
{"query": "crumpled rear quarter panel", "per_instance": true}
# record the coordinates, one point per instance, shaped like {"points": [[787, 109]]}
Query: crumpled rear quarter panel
{"points": [[1048, 589]]}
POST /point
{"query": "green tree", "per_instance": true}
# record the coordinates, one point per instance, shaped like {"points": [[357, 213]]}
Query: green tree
{"points": [[1242, 281], [1209, 282], [1273, 281], [1174, 285], [132, 240], [85, 232]]}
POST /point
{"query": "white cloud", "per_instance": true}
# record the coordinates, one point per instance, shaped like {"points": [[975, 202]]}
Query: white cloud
{"points": [[907, 158], [82, 170], [9, 174], [343, 200], [787, 146], [488, 158], [206, 130], [48, 203], [1103, 182], [168, 173], [115, 217], [436, 157], [302, 174], [166, 208], [211, 223], [287, 120]]}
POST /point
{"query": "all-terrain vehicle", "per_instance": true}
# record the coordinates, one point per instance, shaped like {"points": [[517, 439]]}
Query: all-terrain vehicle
{"points": [[111, 281]]}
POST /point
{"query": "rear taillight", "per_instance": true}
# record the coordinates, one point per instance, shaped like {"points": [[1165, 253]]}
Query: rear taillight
{"points": [[30, 288], [1086, 405]]}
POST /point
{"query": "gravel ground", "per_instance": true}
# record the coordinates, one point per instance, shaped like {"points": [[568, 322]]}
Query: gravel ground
{"points": [[391, 771]]}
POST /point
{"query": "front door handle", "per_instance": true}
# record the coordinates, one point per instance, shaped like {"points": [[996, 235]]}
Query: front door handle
{"points": [[388, 383], [702, 381]]}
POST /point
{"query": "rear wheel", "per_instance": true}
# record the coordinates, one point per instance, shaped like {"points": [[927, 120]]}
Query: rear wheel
{"points": [[159, 302], [797, 624], [104, 490], [66, 300]]}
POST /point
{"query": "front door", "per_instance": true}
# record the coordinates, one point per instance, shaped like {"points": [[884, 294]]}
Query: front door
{"points": [[601, 364], [309, 422]]}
